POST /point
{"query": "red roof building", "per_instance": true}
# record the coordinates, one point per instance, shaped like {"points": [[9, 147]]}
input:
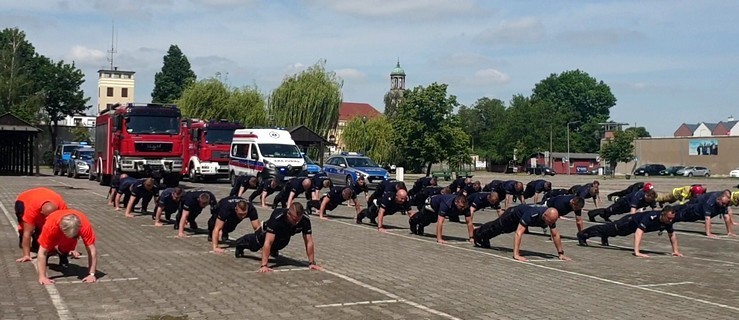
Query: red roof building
{"points": [[351, 110]]}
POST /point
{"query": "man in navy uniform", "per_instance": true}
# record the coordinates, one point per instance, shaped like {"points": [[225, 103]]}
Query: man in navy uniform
{"points": [[360, 187], [292, 189], [276, 234], [517, 219], [386, 186], [319, 181], [636, 224], [625, 192], [191, 206], [243, 183], [389, 204], [266, 188], [114, 184], [587, 191], [536, 188], [459, 184], [331, 200], [419, 200], [704, 208], [512, 190], [553, 193], [481, 200], [230, 212], [437, 209], [422, 183], [471, 188], [168, 203], [628, 204], [144, 190], [123, 191], [566, 204]]}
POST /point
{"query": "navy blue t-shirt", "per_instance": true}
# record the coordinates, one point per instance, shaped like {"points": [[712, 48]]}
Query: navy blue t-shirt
{"points": [[509, 188], [166, 200], [539, 186], [700, 208], [296, 185], [278, 225], [317, 181], [125, 185], [335, 195], [562, 204], [531, 215], [267, 186], [241, 181], [227, 212], [479, 201], [444, 206], [636, 200], [138, 189], [191, 203], [648, 221], [584, 191], [359, 189], [387, 202]]}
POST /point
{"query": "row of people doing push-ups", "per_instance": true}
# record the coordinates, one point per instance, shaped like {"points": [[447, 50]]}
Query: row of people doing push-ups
{"points": [[35, 208]]}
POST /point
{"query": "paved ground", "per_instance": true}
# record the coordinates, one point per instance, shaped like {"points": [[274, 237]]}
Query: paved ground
{"points": [[368, 275]]}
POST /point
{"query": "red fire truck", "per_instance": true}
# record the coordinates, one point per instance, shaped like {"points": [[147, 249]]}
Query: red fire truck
{"points": [[139, 139], [207, 146]]}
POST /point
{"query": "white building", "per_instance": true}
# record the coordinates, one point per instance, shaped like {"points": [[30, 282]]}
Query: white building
{"points": [[115, 86]]}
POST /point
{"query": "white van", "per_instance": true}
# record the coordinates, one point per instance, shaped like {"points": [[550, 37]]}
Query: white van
{"points": [[265, 153]]}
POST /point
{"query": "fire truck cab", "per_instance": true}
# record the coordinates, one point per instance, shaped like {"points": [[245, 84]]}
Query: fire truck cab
{"points": [[140, 139], [207, 147]]}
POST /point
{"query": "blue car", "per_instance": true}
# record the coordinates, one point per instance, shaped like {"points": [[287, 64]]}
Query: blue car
{"points": [[311, 167], [63, 154], [346, 167]]}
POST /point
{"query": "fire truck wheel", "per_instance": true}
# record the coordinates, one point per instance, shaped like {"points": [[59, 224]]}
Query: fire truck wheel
{"points": [[193, 176], [232, 178]]}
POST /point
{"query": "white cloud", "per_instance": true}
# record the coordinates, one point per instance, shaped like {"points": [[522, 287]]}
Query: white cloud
{"points": [[524, 30], [84, 56], [351, 74], [409, 9], [463, 59], [294, 68], [491, 76]]}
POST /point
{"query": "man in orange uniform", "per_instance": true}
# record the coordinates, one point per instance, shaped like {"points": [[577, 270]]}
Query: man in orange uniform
{"points": [[60, 234], [31, 209]]}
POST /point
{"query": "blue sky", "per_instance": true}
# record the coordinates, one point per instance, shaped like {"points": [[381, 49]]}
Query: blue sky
{"points": [[667, 62]]}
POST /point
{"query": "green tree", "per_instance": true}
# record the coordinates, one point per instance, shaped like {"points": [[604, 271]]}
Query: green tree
{"points": [[392, 100], [374, 138], [175, 76], [639, 132], [575, 96], [20, 84], [485, 123], [311, 98], [63, 95], [620, 149], [212, 99], [80, 133], [423, 126]]}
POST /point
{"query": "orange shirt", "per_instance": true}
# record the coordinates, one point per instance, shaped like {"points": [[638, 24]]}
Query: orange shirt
{"points": [[33, 200], [52, 236]]}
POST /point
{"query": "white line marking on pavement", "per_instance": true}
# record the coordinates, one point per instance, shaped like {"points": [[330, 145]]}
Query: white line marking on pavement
{"points": [[388, 294], [190, 236], [56, 299], [664, 284], [64, 183], [101, 280], [668, 255], [346, 304], [699, 236], [546, 260], [556, 269]]}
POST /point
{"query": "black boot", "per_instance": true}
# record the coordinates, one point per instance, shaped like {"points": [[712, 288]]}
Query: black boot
{"points": [[604, 241], [480, 242], [582, 240], [360, 216], [239, 251], [591, 215]]}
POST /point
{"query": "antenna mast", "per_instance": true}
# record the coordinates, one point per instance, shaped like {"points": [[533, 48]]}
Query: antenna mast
{"points": [[112, 50]]}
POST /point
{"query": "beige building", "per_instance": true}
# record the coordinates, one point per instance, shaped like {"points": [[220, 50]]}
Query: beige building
{"points": [[717, 153], [115, 86]]}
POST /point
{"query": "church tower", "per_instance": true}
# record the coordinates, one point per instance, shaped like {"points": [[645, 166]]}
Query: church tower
{"points": [[397, 78]]}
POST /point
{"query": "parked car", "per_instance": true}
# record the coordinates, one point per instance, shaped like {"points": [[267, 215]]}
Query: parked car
{"points": [[540, 170], [697, 171], [734, 173], [649, 170], [390, 168], [671, 171], [311, 167], [80, 162], [346, 167]]}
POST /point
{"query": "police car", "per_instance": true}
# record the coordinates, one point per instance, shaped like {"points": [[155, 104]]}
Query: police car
{"points": [[311, 167], [346, 167]]}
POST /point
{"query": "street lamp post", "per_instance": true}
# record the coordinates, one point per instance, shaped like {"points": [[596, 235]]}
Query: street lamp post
{"points": [[569, 161], [364, 135]]}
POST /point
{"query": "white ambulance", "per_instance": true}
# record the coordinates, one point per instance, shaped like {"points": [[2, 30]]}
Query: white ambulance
{"points": [[265, 153]]}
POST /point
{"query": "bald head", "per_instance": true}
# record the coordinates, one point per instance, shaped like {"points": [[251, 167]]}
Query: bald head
{"points": [[306, 183], [48, 207], [401, 196], [550, 216]]}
